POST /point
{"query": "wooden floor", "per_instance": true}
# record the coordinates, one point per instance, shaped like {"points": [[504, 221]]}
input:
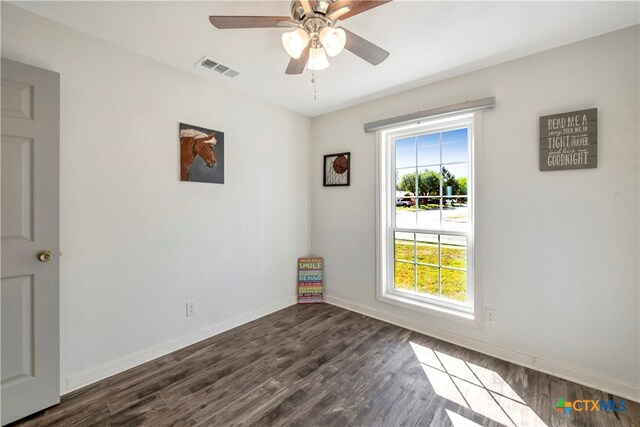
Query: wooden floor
{"points": [[322, 365]]}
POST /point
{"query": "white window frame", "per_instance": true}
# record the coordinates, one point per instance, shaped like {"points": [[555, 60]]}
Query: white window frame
{"points": [[469, 312]]}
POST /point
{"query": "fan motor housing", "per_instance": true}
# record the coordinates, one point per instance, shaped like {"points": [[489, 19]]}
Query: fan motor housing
{"points": [[319, 7]]}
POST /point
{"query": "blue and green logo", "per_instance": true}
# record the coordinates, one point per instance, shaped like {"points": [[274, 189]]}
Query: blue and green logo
{"points": [[586, 405]]}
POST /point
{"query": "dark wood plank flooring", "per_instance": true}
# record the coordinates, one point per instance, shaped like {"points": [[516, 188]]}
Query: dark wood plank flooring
{"points": [[322, 365]]}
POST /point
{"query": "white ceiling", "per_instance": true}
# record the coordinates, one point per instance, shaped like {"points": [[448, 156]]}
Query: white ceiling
{"points": [[427, 40]]}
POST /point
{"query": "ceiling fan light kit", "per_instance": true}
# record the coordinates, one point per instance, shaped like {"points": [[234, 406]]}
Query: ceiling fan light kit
{"points": [[295, 42], [316, 35], [333, 40], [317, 59]]}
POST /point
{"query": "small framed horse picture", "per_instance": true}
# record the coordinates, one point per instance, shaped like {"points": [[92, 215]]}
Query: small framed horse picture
{"points": [[201, 154], [337, 170]]}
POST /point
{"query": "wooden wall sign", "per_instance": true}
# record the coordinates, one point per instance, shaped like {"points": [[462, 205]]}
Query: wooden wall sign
{"points": [[569, 140]]}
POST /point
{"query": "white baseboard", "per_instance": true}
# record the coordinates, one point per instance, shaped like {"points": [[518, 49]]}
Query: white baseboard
{"points": [[89, 376], [590, 379]]}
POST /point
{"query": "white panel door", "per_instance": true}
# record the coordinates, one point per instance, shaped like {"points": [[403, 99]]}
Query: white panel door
{"points": [[29, 284]]}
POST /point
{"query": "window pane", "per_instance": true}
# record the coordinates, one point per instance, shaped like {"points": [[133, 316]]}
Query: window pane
{"points": [[405, 152], [454, 284], [454, 179], [404, 276], [429, 213], [406, 180], [453, 251], [427, 248], [404, 246], [455, 213], [429, 181], [455, 146], [428, 280], [429, 149], [405, 198]]}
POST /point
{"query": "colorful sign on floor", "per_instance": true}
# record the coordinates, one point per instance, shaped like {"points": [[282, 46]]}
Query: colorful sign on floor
{"points": [[310, 280]]}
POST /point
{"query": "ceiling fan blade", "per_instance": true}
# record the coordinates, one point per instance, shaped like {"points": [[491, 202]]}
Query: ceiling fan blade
{"points": [[364, 48], [336, 14], [228, 22], [356, 6], [287, 24], [296, 66], [306, 6]]}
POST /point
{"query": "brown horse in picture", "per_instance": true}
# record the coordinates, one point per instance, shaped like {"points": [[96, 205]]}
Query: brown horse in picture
{"points": [[195, 143]]}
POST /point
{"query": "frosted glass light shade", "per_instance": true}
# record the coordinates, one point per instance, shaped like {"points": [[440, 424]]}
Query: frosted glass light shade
{"points": [[317, 59], [333, 40], [295, 42]]}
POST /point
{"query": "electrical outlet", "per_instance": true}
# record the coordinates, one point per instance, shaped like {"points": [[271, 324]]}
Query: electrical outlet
{"points": [[491, 316], [191, 308]]}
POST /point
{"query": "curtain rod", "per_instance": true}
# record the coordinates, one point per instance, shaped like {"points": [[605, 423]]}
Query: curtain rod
{"points": [[463, 107]]}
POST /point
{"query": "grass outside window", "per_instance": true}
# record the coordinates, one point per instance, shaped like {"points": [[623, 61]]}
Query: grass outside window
{"points": [[432, 266]]}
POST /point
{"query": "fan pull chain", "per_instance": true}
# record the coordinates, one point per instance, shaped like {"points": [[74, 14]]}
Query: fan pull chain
{"points": [[315, 86]]}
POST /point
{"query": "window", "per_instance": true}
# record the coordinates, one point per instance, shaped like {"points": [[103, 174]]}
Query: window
{"points": [[426, 199]]}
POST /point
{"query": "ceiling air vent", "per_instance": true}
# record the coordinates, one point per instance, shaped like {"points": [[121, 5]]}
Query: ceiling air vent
{"points": [[207, 63], [216, 66]]}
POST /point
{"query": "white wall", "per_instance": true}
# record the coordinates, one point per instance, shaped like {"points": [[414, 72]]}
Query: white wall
{"points": [[558, 251], [137, 243]]}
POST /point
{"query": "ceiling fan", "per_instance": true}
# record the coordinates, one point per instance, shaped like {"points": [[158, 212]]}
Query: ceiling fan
{"points": [[315, 35]]}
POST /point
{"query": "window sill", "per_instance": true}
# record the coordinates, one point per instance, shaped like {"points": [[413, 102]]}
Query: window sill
{"points": [[463, 316]]}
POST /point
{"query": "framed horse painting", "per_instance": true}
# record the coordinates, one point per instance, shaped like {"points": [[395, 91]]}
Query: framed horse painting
{"points": [[201, 154]]}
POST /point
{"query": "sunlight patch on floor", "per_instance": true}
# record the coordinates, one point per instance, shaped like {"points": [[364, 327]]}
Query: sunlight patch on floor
{"points": [[458, 420], [474, 387]]}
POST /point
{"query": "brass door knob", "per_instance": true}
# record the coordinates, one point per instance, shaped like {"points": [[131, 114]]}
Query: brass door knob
{"points": [[44, 256]]}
